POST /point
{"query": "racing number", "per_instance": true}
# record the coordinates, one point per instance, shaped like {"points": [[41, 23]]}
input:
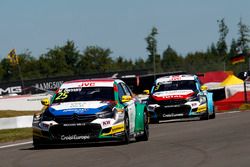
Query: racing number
{"points": [[62, 95], [157, 87]]}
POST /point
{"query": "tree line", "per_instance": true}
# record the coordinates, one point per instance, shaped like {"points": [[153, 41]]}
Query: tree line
{"points": [[67, 60]]}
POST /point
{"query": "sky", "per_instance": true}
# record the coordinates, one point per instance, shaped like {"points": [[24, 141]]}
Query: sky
{"points": [[186, 25]]}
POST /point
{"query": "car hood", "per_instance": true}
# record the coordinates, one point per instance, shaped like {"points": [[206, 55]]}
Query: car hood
{"points": [[87, 107], [172, 95]]}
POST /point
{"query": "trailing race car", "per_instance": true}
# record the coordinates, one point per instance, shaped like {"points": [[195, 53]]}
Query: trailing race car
{"points": [[90, 111], [179, 96]]}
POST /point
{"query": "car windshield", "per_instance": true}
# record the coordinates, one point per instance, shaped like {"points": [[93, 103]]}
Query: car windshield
{"points": [[175, 85], [84, 94]]}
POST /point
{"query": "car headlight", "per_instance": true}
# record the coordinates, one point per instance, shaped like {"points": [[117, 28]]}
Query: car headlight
{"points": [[106, 113], [203, 99], [152, 107], [36, 118]]}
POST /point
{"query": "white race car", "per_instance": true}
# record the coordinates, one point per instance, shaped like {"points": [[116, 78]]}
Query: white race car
{"points": [[90, 111], [179, 96]]}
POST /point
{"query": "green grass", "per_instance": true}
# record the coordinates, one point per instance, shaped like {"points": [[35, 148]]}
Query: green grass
{"points": [[11, 113], [244, 107], [9, 135]]}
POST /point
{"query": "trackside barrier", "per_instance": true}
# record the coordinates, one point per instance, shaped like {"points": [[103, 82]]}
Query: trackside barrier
{"points": [[23, 102], [16, 122]]}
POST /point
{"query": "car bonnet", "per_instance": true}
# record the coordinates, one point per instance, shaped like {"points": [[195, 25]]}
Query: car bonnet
{"points": [[87, 107]]}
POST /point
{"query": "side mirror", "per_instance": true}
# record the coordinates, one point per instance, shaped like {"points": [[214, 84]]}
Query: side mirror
{"points": [[126, 98], [45, 102], [203, 87], [146, 92]]}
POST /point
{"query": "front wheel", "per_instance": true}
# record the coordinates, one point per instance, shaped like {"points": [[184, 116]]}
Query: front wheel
{"points": [[36, 143], [126, 138], [213, 115], [205, 116]]}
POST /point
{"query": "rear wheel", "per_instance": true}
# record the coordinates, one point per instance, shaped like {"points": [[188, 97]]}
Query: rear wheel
{"points": [[145, 135]]}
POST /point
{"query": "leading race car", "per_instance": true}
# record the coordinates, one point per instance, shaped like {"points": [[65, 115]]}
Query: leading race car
{"points": [[179, 96], [90, 111]]}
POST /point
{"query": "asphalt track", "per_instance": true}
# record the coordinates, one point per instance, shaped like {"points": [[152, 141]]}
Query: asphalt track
{"points": [[222, 142]]}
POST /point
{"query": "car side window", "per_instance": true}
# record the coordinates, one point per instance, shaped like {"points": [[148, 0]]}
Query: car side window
{"points": [[120, 92], [126, 89], [130, 91]]}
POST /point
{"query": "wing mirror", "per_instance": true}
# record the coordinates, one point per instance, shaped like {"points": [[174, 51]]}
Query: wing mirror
{"points": [[126, 98], [45, 102], [146, 92], [204, 87]]}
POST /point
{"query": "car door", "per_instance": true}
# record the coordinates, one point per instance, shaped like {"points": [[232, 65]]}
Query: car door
{"points": [[130, 105]]}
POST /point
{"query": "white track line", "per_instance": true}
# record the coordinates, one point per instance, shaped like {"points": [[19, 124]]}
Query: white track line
{"points": [[228, 112], [17, 144]]}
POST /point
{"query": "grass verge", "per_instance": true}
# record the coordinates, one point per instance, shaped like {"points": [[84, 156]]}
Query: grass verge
{"points": [[10, 113], [9, 135], [244, 107]]}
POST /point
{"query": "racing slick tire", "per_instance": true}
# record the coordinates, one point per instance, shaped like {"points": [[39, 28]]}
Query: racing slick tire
{"points": [[36, 143], [213, 115], [145, 135], [205, 116], [126, 138]]}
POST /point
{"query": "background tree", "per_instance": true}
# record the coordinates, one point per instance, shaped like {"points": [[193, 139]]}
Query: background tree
{"points": [[54, 63], [154, 59], [72, 55], [171, 61], [9, 73], [28, 66], [243, 41], [221, 44], [140, 64], [95, 60]]}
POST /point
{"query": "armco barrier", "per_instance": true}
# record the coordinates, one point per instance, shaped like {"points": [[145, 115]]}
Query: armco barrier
{"points": [[16, 122]]}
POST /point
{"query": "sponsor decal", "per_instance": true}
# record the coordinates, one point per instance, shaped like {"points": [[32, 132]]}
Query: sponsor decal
{"points": [[74, 137], [78, 110], [172, 106], [168, 95], [76, 105], [11, 90], [75, 124], [73, 89], [87, 84], [106, 123], [49, 85], [175, 78], [202, 108], [172, 96], [171, 115], [115, 129]]}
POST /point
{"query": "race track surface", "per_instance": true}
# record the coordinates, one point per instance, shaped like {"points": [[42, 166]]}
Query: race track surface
{"points": [[222, 142]]}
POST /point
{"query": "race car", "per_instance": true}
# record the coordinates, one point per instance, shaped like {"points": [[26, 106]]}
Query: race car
{"points": [[92, 110], [179, 96]]}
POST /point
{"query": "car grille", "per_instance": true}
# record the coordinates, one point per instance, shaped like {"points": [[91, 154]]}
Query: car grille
{"points": [[172, 102], [75, 118], [91, 130]]}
